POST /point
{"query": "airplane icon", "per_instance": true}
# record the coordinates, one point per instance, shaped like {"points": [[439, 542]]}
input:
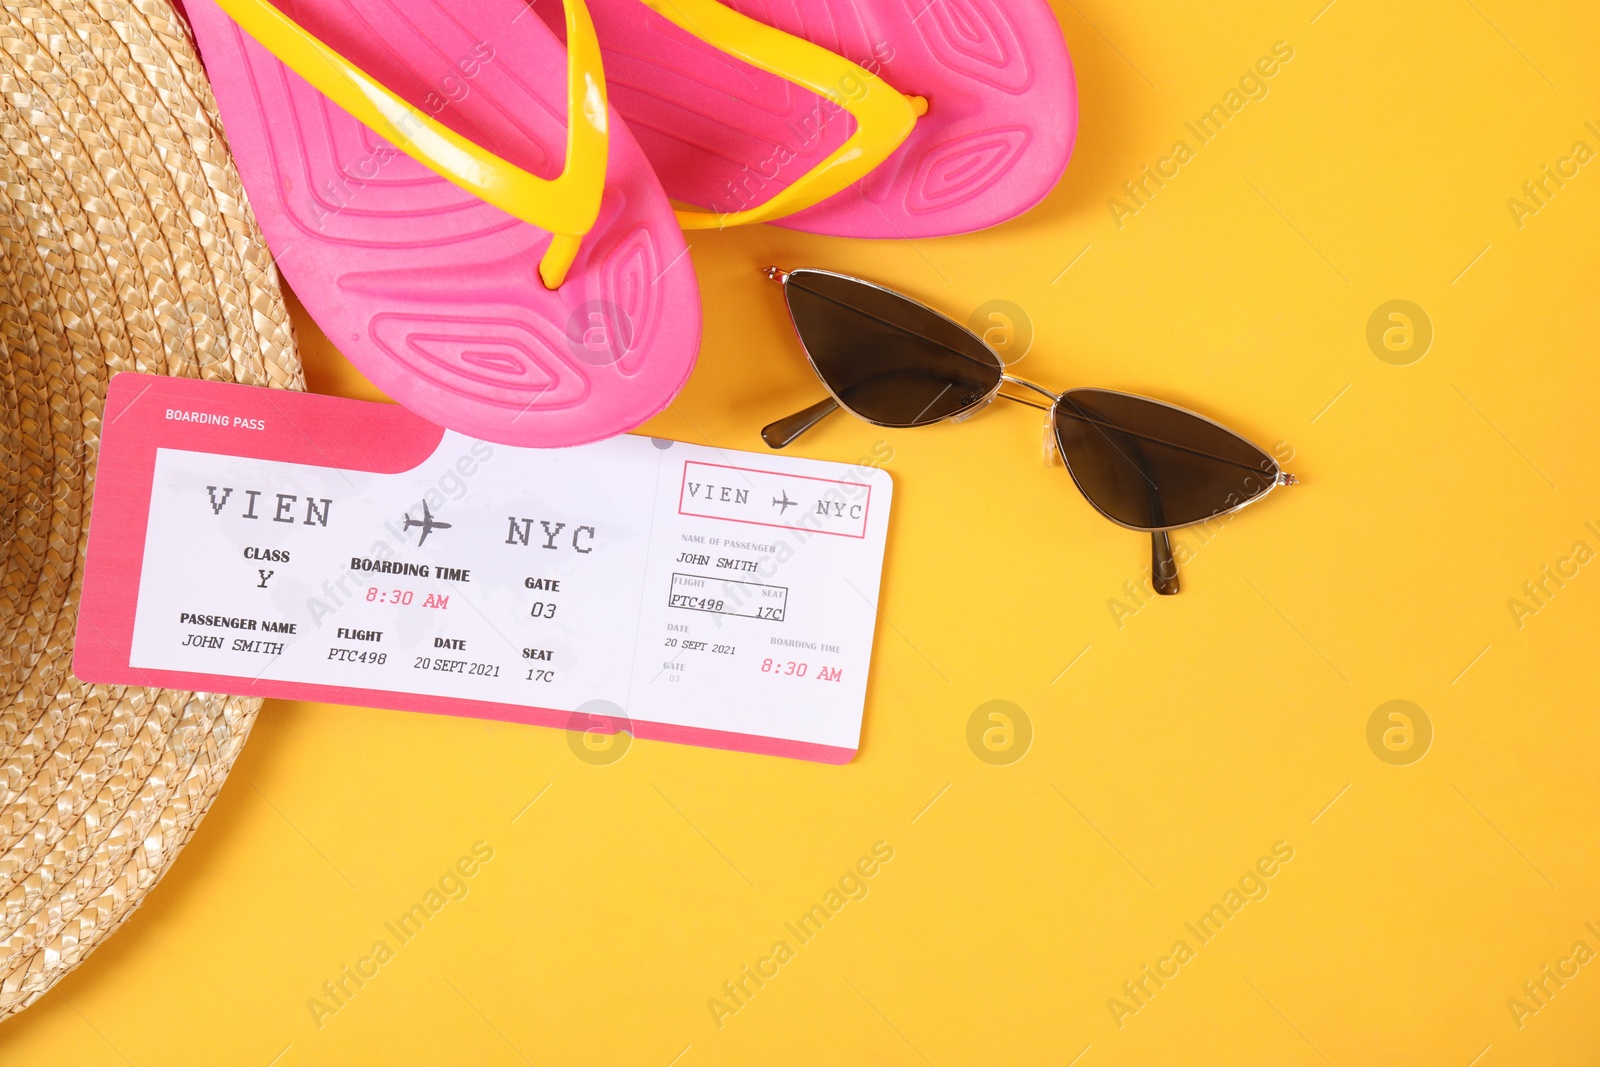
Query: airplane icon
{"points": [[427, 522], [785, 504]]}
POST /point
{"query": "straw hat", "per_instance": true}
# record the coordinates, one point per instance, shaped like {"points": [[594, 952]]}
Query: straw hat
{"points": [[125, 244]]}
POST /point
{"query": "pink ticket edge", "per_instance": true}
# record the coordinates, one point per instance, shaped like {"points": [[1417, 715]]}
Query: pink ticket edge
{"points": [[380, 438]]}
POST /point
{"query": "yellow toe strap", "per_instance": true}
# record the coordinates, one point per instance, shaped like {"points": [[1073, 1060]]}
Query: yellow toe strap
{"points": [[884, 117], [565, 206]]}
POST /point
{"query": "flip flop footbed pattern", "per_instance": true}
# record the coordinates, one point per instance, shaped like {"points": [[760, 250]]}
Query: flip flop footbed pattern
{"points": [[1002, 109], [434, 294]]}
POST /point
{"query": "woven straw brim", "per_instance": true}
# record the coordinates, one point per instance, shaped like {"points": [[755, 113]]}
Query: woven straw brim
{"points": [[125, 244]]}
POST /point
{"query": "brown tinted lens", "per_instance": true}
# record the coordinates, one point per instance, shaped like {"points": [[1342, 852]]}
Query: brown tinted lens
{"points": [[1152, 466], [888, 358]]}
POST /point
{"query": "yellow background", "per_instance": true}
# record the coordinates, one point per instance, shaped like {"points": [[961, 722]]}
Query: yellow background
{"points": [[1178, 747]]}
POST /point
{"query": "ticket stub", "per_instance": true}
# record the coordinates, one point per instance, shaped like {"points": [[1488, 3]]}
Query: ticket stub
{"points": [[270, 543]]}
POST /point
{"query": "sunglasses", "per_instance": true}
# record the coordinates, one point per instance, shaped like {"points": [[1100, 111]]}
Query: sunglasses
{"points": [[892, 361]]}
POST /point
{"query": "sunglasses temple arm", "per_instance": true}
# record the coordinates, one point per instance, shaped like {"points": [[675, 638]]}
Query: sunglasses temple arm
{"points": [[781, 433], [1163, 567]]}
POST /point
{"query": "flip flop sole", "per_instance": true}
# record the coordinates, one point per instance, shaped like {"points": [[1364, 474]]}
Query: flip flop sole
{"points": [[1002, 110], [432, 293]]}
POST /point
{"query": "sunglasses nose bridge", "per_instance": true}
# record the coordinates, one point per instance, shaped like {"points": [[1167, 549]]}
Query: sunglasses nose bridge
{"points": [[1012, 379]]}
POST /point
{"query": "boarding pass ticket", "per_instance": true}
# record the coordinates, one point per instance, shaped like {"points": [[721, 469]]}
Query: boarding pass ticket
{"points": [[270, 543]]}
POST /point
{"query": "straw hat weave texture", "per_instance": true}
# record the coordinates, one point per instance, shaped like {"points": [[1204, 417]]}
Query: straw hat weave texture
{"points": [[125, 244]]}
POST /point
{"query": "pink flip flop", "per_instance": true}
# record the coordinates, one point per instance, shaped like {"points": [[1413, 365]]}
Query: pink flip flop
{"points": [[430, 290], [1001, 110]]}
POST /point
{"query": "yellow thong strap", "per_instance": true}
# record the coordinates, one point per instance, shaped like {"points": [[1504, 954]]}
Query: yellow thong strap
{"points": [[884, 117], [565, 206]]}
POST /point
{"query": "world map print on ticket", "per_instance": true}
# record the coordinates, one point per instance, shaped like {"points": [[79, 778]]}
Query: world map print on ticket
{"points": [[271, 543]]}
